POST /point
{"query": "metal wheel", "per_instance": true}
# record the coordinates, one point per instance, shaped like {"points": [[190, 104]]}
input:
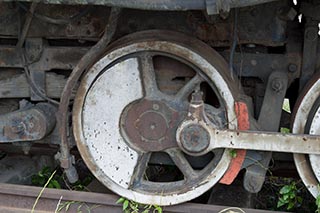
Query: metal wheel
{"points": [[129, 105], [307, 121]]}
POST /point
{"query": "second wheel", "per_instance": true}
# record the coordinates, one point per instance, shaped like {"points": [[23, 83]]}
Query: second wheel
{"points": [[128, 108]]}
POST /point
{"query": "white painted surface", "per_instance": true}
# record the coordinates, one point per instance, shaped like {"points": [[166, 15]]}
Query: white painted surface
{"points": [[298, 127], [109, 95], [315, 159]]}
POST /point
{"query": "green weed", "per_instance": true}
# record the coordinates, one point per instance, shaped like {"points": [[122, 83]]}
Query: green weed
{"points": [[289, 196], [129, 206], [42, 177]]}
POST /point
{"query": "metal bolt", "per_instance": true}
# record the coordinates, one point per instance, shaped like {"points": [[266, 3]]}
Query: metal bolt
{"points": [[292, 67], [277, 85], [196, 97], [253, 62], [31, 125], [155, 106], [311, 33], [152, 126]]}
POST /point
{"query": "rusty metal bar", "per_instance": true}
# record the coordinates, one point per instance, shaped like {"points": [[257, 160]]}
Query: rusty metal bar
{"points": [[18, 198], [66, 160]]}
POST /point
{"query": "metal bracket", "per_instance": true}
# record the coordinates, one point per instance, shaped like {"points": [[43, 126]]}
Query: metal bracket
{"points": [[269, 120], [28, 124], [68, 165], [309, 57], [34, 48]]}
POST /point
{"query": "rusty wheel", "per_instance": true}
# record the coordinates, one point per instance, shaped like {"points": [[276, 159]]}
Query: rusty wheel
{"points": [[128, 108], [307, 121]]}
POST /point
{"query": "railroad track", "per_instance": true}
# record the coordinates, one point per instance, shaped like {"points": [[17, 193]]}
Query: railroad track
{"points": [[18, 199]]}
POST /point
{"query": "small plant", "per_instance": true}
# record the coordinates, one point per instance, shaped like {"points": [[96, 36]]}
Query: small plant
{"points": [[129, 206], [318, 201], [81, 185], [43, 176], [284, 130], [82, 207], [41, 191], [233, 153], [318, 204], [289, 196]]}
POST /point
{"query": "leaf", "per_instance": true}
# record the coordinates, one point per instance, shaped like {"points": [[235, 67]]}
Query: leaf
{"points": [[285, 189], [280, 203], [40, 174], [159, 209], [233, 153], [61, 206], [120, 200], [79, 209], [318, 201], [284, 130], [285, 197], [290, 205], [125, 204], [299, 199], [132, 206], [147, 207], [50, 186], [68, 206], [292, 195], [55, 184]]}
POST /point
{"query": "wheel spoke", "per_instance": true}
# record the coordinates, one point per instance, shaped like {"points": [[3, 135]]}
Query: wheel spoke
{"points": [[148, 75], [140, 170], [182, 163], [188, 88]]}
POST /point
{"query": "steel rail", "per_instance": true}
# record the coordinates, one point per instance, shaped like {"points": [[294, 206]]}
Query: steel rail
{"points": [[19, 198]]}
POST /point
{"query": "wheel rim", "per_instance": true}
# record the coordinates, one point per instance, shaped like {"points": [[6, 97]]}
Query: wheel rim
{"points": [[307, 121], [114, 155]]}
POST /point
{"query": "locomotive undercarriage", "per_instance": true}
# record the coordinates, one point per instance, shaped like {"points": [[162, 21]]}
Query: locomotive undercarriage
{"points": [[139, 91]]}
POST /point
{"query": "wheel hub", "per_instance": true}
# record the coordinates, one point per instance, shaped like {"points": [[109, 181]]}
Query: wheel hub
{"points": [[150, 125], [194, 138]]}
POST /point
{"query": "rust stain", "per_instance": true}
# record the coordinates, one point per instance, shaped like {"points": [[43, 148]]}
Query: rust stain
{"points": [[236, 163]]}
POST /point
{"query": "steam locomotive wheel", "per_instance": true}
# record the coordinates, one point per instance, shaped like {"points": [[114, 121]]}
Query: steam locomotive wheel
{"points": [[307, 121], [130, 103]]}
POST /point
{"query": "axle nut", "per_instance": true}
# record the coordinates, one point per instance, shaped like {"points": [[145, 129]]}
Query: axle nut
{"points": [[292, 67], [194, 138]]}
